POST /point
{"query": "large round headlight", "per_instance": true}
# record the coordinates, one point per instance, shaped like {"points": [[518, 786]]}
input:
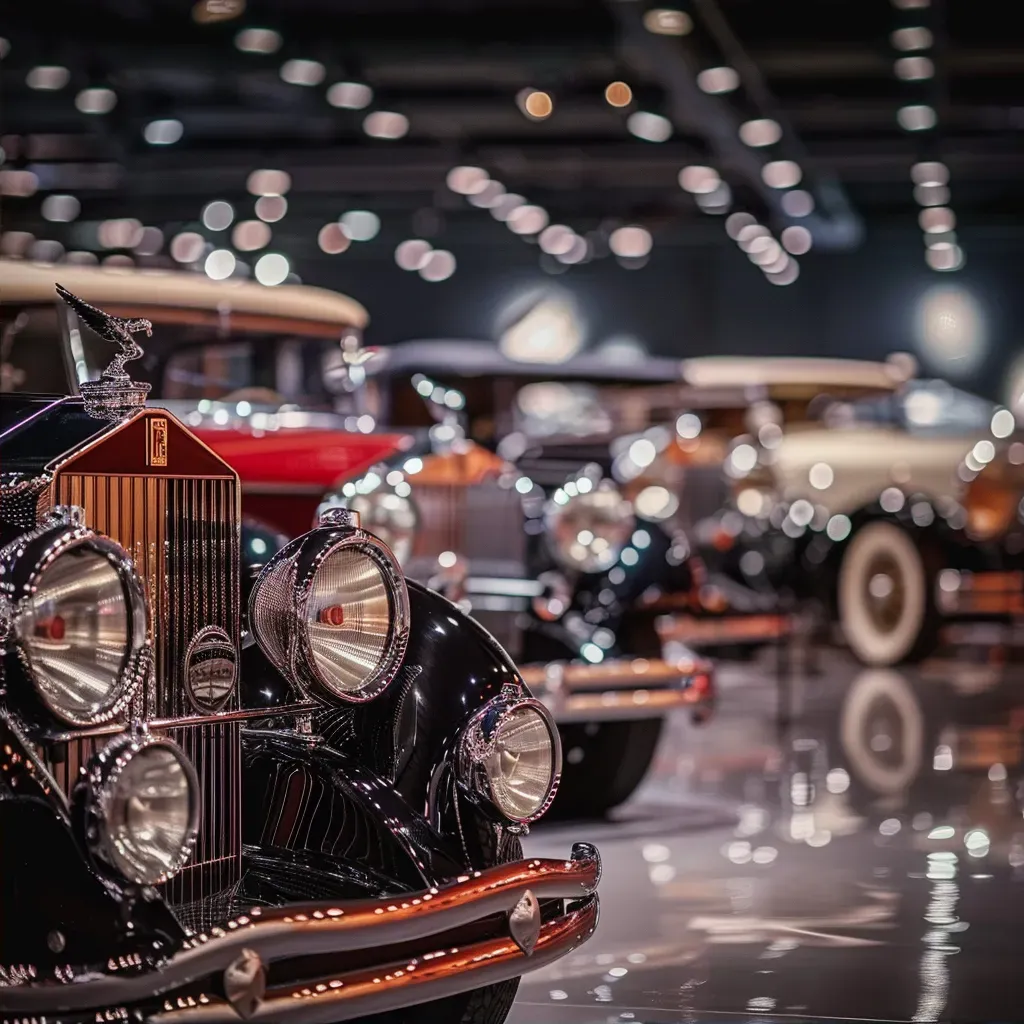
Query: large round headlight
{"points": [[588, 531], [388, 515], [331, 611], [142, 807], [511, 755], [79, 619]]}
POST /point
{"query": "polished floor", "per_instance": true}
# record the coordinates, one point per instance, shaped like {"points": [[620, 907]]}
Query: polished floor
{"points": [[847, 845]]}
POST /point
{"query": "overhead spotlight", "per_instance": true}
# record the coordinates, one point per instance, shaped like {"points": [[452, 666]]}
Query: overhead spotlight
{"points": [[272, 269], [931, 195], [576, 253], [781, 173], [789, 273], [936, 218], [914, 69], [385, 124], [760, 132], [218, 215], [527, 220], [46, 250], [60, 209], [187, 247], [535, 104], [747, 236], [736, 222], [350, 95], [664, 21], [438, 265], [258, 40], [271, 208], [506, 204], [18, 183], [96, 101], [411, 254], [715, 202], [715, 81], [120, 233], [249, 235], [488, 195], [618, 94], [949, 257], [302, 72], [699, 179], [798, 203], [556, 239], [207, 12], [631, 241], [332, 239], [47, 77], [151, 242], [939, 239], [649, 127], [360, 225], [467, 180], [778, 265], [929, 172], [220, 264], [164, 132], [797, 239], [913, 38], [268, 182]]}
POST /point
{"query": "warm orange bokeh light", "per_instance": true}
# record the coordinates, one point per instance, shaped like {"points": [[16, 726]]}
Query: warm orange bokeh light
{"points": [[618, 94], [538, 105]]}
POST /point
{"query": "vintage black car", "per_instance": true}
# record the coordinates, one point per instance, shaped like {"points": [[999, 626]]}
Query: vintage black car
{"points": [[280, 791]]}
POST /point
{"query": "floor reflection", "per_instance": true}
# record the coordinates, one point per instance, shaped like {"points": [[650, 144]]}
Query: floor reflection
{"points": [[849, 846]]}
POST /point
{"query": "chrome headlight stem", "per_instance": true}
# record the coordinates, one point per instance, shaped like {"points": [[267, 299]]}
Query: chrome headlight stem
{"points": [[478, 745], [24, 561]]}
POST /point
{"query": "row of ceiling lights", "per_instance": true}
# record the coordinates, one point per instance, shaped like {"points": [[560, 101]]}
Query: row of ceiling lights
{"points": [[775, 257]]}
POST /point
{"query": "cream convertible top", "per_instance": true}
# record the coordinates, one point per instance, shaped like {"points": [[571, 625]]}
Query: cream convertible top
{"points": [[148, 292]]}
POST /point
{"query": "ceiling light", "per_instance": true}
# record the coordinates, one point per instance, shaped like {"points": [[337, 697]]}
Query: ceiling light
{"points": [[332, 239], [527, 220], [350, 95], [411, 254], [386, 124], [502, 209], [119, 261], [797, 239], [914, 69], [47, 76], [164, 132], [249, 235], [488, 195], [267, 182], [631, 241], [544, 329], [120, 233], [81, 258], [535, 104], [15, 243], [271, 208], [736, 222], [915, 38], [718, 80], [45, 250], [206, 12], [271, 269], [781, 173], [747, 236], [360, 225], [467, 180], [764, 251], [936, 218], [946, 258], [218, 215], [220, 264], [576, 253], [778, 265], [798, 203], [717, 201], [939, 239], [699, 179], [789, 273], [438, 265], [302, 72], [929, 172], [96, 101], [618, 94], [258, 40], [931, 195], [187, 247], [649, 127], [556, 239], [664, 21], [60, 209], [150, 242], [761, 132]]}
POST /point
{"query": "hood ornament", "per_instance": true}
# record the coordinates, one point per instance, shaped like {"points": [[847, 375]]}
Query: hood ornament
{"points": [[115, 394]]}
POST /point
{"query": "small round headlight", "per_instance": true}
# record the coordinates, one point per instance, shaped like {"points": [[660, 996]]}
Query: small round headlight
{"points": [[79, 619], [511, 755], [331, 611], [142, 810], [588, 531]]}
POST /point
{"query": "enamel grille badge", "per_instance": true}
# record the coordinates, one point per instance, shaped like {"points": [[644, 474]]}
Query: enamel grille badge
{"points": [[211, 667]]}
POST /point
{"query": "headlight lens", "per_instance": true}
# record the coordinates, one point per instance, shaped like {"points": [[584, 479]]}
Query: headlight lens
{"points": [[143, 811], [331, 611], [79, 613], [512, 756], [588, 531]]}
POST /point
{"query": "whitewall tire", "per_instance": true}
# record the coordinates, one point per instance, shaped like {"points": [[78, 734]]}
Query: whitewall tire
{"points": [[885, 599]]}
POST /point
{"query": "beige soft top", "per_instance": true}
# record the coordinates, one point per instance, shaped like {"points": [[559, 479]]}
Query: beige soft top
{"points": [[176, 293], [799, 376]]}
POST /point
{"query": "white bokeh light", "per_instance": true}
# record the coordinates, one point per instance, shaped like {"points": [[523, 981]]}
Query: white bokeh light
{"points": [[951, 331], [271, 269]]}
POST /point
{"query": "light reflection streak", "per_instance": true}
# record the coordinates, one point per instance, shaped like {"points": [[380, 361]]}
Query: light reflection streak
{"points": [[934, 968]]}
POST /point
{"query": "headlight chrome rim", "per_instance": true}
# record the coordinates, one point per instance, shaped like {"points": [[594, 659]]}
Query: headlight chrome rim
{"points": [[478, 742], [24, 562], [289, 646], [102, 778]]}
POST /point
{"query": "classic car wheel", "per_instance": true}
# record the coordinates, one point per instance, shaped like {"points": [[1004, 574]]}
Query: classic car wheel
{"points": [[886, 604], [602, 763]]}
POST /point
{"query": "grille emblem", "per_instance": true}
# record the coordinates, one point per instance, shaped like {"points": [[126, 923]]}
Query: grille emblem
{"points": [[156, 442], [211, 667]]}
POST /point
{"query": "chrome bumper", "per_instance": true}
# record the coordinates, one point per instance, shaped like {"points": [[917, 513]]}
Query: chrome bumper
{"points": [[698, 631], [224, 972], [621, 688], [980, 593]]}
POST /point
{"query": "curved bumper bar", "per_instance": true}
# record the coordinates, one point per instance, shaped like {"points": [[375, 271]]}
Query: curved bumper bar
{"points": [[214, 961]]}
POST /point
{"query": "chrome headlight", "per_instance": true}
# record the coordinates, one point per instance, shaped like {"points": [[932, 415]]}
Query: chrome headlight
{"points": [[388, 515], [511, 755], [331, 610], [78, 618], [141, 808], [587, 531]]}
